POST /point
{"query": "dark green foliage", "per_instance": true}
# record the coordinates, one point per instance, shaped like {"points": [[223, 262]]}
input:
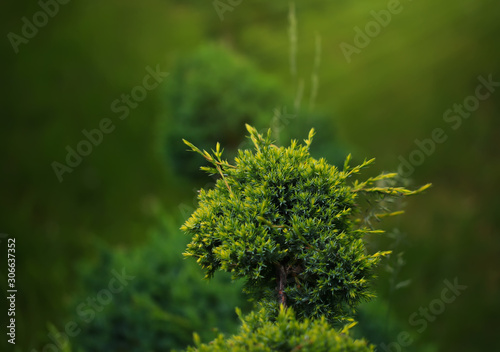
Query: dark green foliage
{"points": [[286, 334], [211, 95], [162, 306], [286, 222]]}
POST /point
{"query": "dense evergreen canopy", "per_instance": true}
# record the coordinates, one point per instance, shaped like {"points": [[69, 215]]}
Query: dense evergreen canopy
{"points": [[286, 222]]}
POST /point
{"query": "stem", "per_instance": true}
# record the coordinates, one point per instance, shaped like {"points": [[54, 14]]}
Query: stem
{"points": [[224, 179], [281, 277]]}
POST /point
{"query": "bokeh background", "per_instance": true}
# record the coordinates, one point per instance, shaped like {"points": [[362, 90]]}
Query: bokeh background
{"points": [[270, 64]]}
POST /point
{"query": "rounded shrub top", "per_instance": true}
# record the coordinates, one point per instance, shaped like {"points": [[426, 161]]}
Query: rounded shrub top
{"points": [[285, 222]]}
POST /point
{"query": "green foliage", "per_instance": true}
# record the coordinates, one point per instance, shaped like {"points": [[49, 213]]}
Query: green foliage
{"points": [[212, 93], [286, 334], [286, 222], [162, 306]]}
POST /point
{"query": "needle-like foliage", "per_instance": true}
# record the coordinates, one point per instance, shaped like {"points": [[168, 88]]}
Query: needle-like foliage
{"points": [[287, 224], [286, 334]]}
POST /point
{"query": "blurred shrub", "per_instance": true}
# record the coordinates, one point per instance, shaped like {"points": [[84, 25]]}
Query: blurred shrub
{"points": [[285, 334], [212, 94], [161, 307], [377, 325], [383, 329]]}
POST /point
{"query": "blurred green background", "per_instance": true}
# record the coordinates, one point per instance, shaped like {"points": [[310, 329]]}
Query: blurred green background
{"points": [[137, 186]]}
